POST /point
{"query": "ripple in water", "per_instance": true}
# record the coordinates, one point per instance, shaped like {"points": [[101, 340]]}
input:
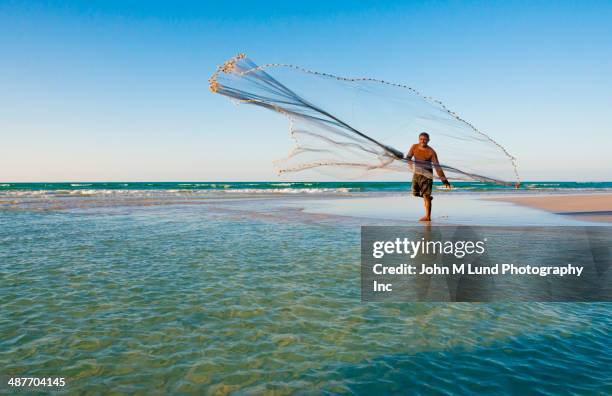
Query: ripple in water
{"points": [[190, 299]]}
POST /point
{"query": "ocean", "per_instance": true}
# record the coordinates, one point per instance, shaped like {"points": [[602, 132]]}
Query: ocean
{"points": [[16, 189], [235, 288]]}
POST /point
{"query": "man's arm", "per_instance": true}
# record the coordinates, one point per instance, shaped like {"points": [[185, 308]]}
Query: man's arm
{"points": [[409, 156], [410, 153], [439, 171]]}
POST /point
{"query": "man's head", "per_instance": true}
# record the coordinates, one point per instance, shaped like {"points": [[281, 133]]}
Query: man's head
{"points": [[423, 139]]}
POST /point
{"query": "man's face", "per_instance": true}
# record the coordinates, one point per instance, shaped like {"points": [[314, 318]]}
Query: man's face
{"points": [[423, 140]]}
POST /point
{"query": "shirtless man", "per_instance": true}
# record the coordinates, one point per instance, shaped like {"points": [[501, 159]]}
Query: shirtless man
{"points": [[422, 181]]}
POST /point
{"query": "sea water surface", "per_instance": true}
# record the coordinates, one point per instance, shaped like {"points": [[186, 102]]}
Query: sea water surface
{"points": [[153, 292], [280, 187]]}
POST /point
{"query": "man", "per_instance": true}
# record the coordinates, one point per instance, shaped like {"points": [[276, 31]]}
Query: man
{"points": [[422, 182]]}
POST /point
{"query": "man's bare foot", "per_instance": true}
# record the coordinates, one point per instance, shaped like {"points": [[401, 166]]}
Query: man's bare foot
{"points": [[425, 218]]}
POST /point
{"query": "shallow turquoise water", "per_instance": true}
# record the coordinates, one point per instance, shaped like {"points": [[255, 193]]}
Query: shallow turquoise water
{"points": [[16, 189], [244, 296]]}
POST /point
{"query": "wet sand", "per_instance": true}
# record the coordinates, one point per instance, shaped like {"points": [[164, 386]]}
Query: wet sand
{"points": [[468, 209], [592, 207]]}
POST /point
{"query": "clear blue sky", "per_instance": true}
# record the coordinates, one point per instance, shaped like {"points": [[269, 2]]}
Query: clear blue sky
{"points": [[117, 90]]}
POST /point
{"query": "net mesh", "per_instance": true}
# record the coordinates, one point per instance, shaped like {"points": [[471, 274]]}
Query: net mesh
{"points": [[356, 127]]}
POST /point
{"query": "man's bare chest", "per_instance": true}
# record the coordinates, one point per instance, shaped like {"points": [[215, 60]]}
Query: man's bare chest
{"points": [[423, 155]]}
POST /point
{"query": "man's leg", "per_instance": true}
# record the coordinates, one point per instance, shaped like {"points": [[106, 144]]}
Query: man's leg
{"points": [[427, 202]]}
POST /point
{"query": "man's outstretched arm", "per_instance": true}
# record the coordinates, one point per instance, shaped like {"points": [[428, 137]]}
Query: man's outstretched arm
{"points": [[439, 171]]}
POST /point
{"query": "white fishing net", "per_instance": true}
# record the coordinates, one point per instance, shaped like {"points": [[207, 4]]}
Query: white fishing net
{"points": [[351, 127]]}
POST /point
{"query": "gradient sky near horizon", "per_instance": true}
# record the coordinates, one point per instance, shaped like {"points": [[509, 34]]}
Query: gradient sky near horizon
{"points": [[117, 90]]}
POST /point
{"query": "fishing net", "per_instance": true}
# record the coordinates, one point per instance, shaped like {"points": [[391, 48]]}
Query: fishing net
{"points": [[354, 127]]}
